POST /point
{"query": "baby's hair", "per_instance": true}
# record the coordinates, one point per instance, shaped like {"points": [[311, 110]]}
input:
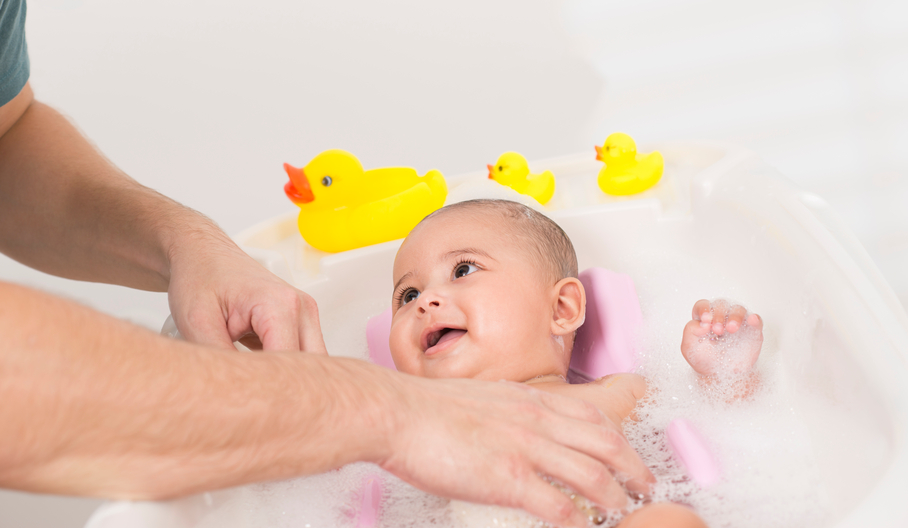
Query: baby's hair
{"points": [[549, 244]]}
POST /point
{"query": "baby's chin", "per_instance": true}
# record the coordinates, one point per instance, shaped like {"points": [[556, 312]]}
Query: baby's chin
{"points": [[448, 367], [463, 362], [429, 368], [464, 371]]}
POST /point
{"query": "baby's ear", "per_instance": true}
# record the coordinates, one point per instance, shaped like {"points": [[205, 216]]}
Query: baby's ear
{"points": [[569, 306]]}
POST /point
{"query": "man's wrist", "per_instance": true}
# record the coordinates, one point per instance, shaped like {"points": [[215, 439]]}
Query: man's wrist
{"points": [[187, 234], [375, 400], [345, 410]]}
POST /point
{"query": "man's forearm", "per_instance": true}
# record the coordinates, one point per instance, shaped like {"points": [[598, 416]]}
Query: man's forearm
{"points": [[100, 407], [69, 211]]}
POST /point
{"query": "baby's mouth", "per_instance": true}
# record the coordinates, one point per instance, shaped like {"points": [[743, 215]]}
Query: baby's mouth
{"points": [[437, 340]]}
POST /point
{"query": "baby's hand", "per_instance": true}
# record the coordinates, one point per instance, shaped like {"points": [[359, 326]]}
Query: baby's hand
{"points": [[722, 338]]}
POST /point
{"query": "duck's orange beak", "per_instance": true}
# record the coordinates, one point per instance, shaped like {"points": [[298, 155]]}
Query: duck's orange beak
{"points": [[297, 189], [598, 152], [491, 168]]}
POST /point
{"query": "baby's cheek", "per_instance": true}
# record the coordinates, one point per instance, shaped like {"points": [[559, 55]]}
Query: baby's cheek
{"points": [[397, 344], [405, 354]]}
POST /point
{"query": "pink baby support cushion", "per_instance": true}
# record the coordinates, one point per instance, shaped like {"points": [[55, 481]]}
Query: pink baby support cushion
{"points": [[605, 344], [378, 333], [607, 341], [690, 449], [370, 507]]}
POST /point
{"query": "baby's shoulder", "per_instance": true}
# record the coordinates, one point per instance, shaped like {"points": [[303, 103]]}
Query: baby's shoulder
{"points": [[633, 383]]}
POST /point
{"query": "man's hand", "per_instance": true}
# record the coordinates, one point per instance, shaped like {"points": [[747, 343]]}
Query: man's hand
{"points": [[493, 443], [218, 294]]}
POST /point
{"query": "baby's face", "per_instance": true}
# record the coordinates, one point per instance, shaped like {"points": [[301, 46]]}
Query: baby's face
{"points": [[470, 303]]}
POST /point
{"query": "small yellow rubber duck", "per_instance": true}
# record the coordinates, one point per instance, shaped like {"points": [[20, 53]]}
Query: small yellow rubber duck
{"points": [[512, 170], [344, 207], [625, 171]]}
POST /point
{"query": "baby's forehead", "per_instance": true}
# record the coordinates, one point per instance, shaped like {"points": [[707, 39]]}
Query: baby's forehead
{"points": [[494, 232], [529, 235], [476, 217], [477, 224]]}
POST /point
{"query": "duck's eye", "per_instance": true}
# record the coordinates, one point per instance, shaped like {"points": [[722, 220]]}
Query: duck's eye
{"points": [[409, 295], [463, 269], [327, 181], [501, 167]]}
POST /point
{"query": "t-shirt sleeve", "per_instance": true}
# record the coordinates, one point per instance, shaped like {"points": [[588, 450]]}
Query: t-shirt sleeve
{"points": [[14, 66]]}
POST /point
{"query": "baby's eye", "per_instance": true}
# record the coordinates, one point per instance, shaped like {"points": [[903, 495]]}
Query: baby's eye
{"points": [[410, 295], [463, 269]]}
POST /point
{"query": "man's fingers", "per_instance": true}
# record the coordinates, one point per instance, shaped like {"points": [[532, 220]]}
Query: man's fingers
{"points": [[289, 322], [598, 438], [278, 331], [293, 334], [608, 445], [549, 504], [584, 475], [206, 327], [311, 338], [251, 341]]}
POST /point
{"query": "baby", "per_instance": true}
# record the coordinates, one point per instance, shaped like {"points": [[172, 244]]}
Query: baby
{"points": [[488, 289]]}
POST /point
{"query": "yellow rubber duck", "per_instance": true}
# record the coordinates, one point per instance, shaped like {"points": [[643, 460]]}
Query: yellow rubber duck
{"points": [[625, 171], [344, 207], [512, 170]]}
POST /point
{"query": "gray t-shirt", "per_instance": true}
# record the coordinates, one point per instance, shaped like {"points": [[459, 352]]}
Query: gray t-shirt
{"points": [[14, 67]]}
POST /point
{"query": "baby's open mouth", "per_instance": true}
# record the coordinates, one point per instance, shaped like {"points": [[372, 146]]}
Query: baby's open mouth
{"points": [[440, 337]]}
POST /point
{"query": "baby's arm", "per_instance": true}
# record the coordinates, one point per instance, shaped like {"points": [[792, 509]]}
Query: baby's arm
{"points": [[722, 339]]}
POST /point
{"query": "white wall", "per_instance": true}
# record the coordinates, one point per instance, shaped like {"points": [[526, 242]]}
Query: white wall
{"points": [[205, 100]]}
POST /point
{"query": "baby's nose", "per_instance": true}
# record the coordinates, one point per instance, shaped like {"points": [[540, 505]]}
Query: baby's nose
{"points": [[428, 301]]}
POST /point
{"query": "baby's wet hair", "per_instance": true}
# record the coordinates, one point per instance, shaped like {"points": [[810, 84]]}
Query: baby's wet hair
{"points": [[548, 243]]}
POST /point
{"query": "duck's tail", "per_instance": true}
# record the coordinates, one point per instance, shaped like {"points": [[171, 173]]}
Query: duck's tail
{"points": [[545, 184], [437, 186], [655, 165]]}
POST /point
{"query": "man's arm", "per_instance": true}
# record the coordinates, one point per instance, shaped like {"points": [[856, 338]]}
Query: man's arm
{"points": [[69, 211], [97, 406]]}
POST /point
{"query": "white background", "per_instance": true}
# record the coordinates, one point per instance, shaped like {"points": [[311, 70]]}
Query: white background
{"points": [[205, 100]]}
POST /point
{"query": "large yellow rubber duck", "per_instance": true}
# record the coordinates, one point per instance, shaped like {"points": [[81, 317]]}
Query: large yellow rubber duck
{"points": [[625, 171], [344, 207], [512, 170]]}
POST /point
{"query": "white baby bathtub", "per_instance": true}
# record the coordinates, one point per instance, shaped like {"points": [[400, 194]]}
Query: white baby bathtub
{"points": [[720, 223]]}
